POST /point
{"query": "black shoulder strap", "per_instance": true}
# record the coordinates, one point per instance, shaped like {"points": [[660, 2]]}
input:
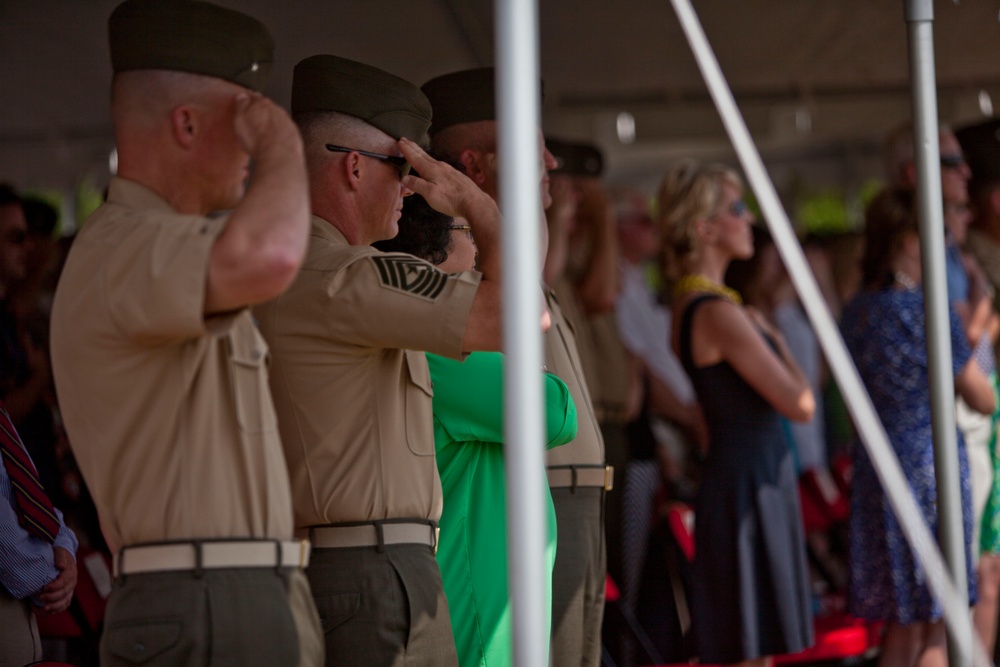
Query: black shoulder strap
{"points": [[685, 332]]}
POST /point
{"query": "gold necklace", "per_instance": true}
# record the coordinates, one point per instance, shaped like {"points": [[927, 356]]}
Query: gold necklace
{"points": [[693, 282]]}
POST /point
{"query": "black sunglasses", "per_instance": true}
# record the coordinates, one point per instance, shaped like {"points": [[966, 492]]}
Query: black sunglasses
{"points": [[952, 161], [396, 161]]}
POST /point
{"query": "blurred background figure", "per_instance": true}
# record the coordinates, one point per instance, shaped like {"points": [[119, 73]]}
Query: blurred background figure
{"points": [[884, 331], [971, 296], [981, 145], [581, 266], [764, 284], [751, 594], [28, 272]]}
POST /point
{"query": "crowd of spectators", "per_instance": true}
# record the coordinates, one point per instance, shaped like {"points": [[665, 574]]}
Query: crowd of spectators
{"points": [[700, 380]]}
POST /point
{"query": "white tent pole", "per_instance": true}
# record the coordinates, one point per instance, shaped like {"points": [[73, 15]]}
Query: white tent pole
{"points": [[519, 119], [919, 21], [858, 402]]}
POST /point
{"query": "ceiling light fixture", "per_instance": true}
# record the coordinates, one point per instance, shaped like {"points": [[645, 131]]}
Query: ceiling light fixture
{"points": [[625, 125], [985, 103]]}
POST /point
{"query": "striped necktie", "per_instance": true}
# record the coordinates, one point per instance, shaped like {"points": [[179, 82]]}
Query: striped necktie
{"points": [[34, 509]]}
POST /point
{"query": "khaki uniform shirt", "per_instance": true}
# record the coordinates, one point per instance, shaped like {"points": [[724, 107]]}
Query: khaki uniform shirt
{"points": [[611, 368], [168, 413], [350, 378], [606, 365], [563, 359]]}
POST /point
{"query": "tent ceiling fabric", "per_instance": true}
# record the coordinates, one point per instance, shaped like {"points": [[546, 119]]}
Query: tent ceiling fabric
{"points": [[845, 61]]}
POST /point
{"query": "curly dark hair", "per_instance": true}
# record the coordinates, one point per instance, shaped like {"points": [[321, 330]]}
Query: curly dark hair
{"points": [[423, 232]]}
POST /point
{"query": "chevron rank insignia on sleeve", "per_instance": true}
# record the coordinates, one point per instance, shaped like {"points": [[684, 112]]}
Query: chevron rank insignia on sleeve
{"points": [[410, 275]]}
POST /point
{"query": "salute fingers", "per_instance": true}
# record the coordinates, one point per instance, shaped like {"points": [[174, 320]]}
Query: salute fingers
{"points": [[260, 123], [444, 187]]}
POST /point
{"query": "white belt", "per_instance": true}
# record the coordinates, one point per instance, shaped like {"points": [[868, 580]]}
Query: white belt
{"points": [[211, 555], [372, 534], [581, 476]]}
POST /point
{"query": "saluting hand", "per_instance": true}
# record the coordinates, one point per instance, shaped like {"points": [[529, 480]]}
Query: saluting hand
{"points": [[261, 125], [59, 592], [445, 188]]}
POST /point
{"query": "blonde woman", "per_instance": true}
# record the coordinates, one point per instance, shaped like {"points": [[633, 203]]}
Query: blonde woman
{"points": [[750, 589]]}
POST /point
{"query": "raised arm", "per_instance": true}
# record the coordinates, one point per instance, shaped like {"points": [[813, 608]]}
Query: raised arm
{"points": [[259, 252], [451, 192], [775, 375], [598, 288]]}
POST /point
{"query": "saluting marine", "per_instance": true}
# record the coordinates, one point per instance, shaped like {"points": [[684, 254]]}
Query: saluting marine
{"points": [[349, 374], [160, 372]]}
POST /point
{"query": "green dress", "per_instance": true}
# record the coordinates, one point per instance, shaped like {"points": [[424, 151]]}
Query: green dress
{"points": [[989, 533], [472, 551]]}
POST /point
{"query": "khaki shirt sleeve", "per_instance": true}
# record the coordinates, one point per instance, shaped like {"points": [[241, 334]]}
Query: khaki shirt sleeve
{"points": [[398, 301], [155, 279]]}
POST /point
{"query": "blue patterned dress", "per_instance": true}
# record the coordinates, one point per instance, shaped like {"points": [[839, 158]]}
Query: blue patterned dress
{"points": [[884, 331]]}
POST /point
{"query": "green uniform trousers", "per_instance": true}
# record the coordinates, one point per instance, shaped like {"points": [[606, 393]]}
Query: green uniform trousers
{"points": [[382, 608], [241, 617], [578, 579]]}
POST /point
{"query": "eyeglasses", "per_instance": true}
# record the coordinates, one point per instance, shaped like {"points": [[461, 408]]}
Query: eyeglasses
{"points": [[952, 161], [396, 161], [463, 228]]}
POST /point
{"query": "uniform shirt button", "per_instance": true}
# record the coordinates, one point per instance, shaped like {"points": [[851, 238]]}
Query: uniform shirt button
{"points": [[139, 647]]}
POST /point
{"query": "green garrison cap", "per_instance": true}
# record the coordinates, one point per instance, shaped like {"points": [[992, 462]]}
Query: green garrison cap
{"points": [[467, 96], [383, 100], [576, 159], [190, 36], [981, 145]]}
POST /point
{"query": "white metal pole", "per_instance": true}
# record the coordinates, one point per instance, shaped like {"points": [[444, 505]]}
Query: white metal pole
{"points": [[920, 21], [519, 120], [858, 402]]}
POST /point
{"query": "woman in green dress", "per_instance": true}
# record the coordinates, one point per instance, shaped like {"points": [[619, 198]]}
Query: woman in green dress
{"points": [[468, 435]]}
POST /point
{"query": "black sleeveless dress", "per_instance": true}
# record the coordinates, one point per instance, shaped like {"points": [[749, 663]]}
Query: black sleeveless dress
{"points": [[750, 590]]}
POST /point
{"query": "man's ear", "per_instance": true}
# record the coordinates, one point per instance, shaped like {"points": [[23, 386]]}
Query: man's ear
{"points": [[183, 125], [475, 165], [353, 171]]}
